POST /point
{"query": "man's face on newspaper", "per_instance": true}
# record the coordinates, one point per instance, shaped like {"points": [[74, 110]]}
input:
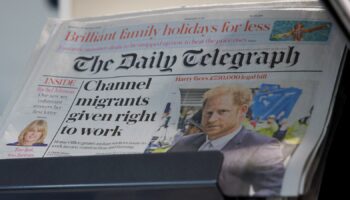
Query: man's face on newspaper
{"points": [[221, 116]]}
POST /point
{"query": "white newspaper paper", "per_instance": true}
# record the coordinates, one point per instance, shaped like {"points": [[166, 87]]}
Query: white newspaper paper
{"points": [[134, 83]]}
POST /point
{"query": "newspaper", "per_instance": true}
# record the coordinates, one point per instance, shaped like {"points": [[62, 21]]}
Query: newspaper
{"points": [[254, 82]]}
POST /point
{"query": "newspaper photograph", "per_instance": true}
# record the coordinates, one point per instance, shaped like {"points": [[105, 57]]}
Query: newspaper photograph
{"points": [[255, 85]]}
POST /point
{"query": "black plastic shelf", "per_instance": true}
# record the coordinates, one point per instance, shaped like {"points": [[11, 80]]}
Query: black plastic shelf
{"points": [[167, 176]]}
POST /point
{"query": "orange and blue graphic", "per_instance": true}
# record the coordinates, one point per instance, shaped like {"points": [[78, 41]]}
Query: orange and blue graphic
{"points": [[300, 31]]}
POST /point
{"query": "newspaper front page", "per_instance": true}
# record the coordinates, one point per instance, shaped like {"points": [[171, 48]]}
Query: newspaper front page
{"points": [[255, 85]]}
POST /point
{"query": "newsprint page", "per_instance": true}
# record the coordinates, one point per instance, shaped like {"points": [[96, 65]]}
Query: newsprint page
{"points": [[254, 82]]}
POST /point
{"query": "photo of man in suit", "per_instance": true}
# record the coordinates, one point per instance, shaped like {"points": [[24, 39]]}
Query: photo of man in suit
{"points": [[253, 163]]}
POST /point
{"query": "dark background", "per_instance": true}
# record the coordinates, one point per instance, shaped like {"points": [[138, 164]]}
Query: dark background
{"points": [[334, 181]]}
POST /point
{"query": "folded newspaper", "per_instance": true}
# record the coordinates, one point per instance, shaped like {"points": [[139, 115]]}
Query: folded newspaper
{"points": [[254, 81]]}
